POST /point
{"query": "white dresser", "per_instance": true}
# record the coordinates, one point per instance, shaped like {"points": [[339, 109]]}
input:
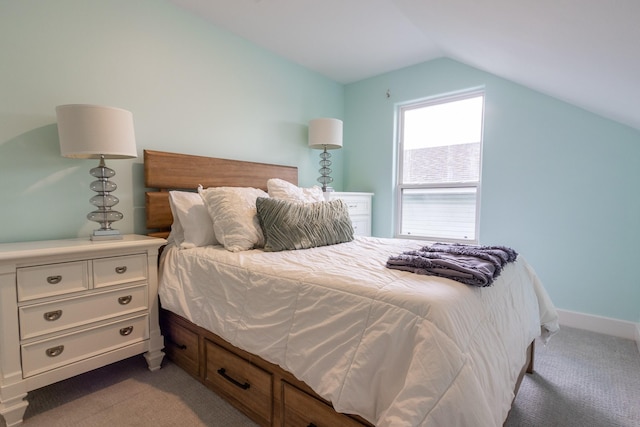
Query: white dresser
{"points": [[70, 306], [359, 209]]}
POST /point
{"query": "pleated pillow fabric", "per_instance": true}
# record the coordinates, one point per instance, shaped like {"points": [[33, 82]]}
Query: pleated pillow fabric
{"points": [[233, 212], [289, 225]]}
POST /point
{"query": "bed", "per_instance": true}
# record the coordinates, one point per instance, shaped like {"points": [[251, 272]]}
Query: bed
{"points": [[328, 335]]}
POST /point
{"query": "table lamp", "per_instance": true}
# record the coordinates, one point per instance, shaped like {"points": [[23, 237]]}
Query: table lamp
{"points": [[98, 132], [325, 134]]}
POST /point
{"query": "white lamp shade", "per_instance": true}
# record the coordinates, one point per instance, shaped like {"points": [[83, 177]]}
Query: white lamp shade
{"points": [[325, 133], [92, 131]]}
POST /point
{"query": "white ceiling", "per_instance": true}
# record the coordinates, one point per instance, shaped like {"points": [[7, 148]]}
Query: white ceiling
{"points": [[585, 52]]}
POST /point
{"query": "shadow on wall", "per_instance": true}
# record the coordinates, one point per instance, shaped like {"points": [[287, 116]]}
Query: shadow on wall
{"points": [[139, 212], [43, 195]]}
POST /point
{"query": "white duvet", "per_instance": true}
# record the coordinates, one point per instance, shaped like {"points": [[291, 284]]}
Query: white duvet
{"points": [[396, 348]]}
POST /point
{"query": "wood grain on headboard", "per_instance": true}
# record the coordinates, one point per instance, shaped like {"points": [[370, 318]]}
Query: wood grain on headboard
{"points": [[164, 171]]}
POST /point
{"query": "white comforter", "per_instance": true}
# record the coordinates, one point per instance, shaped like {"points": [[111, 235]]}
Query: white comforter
{"points": [[396, 348]]}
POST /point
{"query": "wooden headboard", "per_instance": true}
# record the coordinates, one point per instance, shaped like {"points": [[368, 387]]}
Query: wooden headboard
{"points": [[165, 171]]}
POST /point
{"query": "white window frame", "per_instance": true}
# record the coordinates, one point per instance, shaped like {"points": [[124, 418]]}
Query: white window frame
{"points": [[400, 187]]}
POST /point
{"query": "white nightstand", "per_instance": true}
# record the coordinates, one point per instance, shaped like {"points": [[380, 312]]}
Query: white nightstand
{"points": [[359, 209], [70, 306]]}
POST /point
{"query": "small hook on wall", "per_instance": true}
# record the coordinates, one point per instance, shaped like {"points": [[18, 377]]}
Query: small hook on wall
{"points": [[388, 93]]}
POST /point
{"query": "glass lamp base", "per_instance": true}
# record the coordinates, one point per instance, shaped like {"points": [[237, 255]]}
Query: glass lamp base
{"points": [[104, 201], [325, 171], [111, 234]]}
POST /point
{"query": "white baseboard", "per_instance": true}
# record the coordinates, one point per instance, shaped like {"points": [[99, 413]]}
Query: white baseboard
{"points": [[602, 325]]}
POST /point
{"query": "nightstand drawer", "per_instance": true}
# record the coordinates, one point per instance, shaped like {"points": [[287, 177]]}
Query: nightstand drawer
{"points": [[51, 279], [240, 381], [117, 270], [357, 205], [361, 227], [40, 319], [45, 355]]}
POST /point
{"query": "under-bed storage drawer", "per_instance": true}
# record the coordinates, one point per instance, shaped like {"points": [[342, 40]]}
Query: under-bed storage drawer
{"points": [[301, 409], [182, 346], [244, 384]]}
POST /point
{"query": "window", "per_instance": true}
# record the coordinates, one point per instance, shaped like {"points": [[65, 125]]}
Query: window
{"points": [[440, 151]]}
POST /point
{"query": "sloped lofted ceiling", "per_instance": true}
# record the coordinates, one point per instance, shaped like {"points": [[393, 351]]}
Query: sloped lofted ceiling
{"points": [[585, 52]]}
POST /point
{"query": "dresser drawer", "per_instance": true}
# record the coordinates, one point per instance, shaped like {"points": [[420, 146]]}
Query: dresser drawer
{"points": [[243, 383], [51, 279], [118, 270], [182, 347], [40, 319], [48, 354], [301, 409]]}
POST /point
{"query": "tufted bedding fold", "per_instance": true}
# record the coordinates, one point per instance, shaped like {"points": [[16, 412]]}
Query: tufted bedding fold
{"points": [[396, 348]]}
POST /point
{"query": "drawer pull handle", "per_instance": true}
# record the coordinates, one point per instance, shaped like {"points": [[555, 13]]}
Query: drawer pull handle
{"points": [[121, 270], [51, 316], [125, 300], [54, 280], [54, 351], [175, 344], [126, 331], [223, 373]]}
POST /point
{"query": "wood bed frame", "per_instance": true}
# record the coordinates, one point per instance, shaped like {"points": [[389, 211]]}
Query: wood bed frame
{"points": [[263, 391]]}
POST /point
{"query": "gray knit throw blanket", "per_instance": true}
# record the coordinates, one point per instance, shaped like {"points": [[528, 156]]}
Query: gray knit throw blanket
{"points": [[471, 265]]}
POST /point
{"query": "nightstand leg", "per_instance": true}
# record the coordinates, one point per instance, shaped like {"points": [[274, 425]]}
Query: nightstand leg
{"points": [[155, 354], [154, 360], [13, 410]]}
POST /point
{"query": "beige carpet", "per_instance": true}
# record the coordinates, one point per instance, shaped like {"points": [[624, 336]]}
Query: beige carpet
{"points": [[126, 393], [582, 379]]}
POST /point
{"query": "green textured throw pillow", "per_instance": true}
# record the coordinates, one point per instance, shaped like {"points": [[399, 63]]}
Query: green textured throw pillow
{"points": [[288, 226]]}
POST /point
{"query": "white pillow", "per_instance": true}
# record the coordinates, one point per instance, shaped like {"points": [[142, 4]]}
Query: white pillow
{"points": [[234, 215], [284, 190], [176, 236], [192, 225]]}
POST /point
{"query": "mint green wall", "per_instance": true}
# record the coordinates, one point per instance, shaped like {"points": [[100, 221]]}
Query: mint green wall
{"points": [[559, 184], [191, 87]]}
